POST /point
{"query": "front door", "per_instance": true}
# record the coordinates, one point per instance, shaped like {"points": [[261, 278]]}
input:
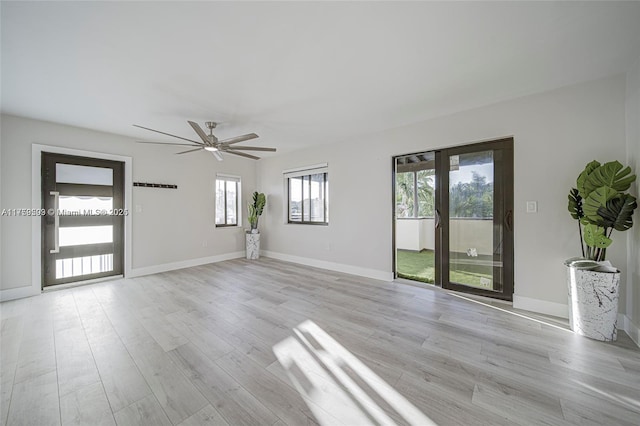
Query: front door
{"points": [[83, 230]]}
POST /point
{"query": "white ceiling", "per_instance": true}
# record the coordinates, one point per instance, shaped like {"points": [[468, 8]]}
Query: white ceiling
{"points": [[297, 74]]}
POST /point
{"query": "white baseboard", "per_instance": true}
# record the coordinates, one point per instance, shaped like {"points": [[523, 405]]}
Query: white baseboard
{"points": [[17, 293], [156, 269], [625, 323], [541, 306], [332, 266]]}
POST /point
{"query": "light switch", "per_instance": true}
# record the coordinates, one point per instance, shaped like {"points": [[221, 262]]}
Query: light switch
{"points": [[138, 208], [532, 207]]}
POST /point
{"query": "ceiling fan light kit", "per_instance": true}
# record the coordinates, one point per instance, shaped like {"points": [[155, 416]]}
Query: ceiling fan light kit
{"points": [[211, 143]]}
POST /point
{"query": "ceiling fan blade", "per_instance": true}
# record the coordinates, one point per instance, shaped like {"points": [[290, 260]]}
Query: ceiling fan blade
{"points": [[239, 138], [168, 134], [190, 150], [217, 155], [249, 148], [200, 132], [170, 144], [242, 154]]}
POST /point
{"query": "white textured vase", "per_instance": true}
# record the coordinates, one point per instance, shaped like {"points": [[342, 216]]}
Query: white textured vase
{"points": [[593, 303], [253, 246]]}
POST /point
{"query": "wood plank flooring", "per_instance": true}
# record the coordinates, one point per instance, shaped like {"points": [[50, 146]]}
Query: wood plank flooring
{"points": [[273, 343]]}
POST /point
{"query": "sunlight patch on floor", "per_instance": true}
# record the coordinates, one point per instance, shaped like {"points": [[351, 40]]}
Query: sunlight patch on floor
{"points": [[630, 403], [550, 324], [337, 386]]}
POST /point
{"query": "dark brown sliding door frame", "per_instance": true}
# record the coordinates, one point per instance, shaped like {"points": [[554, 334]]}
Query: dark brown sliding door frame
{"points": [[502, 216]]}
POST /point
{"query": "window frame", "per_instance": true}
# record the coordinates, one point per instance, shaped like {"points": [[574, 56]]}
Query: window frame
{"points": [[307, 173], [238, 183]]}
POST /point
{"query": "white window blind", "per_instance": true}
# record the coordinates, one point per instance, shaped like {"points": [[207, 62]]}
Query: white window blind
{"points": [[307, 170], [228, 177]]}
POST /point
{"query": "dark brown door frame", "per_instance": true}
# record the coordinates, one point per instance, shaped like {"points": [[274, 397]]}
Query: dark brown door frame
{"points": [[48, 162], [503, 213]]}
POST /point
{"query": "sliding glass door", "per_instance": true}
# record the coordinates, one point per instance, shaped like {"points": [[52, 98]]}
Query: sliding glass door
{"points": [[475, 230], [470, 231]]}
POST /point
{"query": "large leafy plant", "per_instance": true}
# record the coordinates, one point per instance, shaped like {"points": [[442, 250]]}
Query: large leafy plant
{"points": [[600, 205], [255, 208]]}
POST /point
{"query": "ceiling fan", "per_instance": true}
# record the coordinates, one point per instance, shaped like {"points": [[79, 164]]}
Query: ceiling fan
{"points": [[211, 143]]}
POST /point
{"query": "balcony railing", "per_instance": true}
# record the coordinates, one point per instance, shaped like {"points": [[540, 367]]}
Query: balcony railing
{"points": [[465, 233]]}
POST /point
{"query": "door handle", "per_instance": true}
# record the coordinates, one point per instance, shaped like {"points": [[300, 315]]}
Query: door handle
{"points": [[56, 222], [508, 220], [437, 219]]}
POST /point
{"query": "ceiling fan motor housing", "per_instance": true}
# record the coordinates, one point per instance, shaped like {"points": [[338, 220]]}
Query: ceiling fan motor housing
{"points": [[211, 125]]}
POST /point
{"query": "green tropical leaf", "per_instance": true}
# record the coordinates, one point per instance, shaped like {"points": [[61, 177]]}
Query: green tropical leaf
{"points": [[589, 168], [596, 199], [259, 201], [255, 209], [575, 204], [594, 237], [611, 174], [252, 217], [618, 212]]}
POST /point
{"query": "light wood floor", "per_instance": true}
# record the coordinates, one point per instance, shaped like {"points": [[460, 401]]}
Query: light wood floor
{"points": [[272, 343]]}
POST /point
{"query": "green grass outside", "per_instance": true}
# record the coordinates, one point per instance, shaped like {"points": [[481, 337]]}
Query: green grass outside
{"points": [[419, 266]]}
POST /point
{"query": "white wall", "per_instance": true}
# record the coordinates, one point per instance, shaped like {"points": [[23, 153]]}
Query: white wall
{"points": [[419, 234], [633, 152], [174, 226], [465, 234], [415, 234], [1, 221], [556, 133]]}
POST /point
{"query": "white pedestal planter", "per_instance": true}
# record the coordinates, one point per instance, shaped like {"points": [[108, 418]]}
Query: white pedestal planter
{"points": [[253, 246], [593, 302]]}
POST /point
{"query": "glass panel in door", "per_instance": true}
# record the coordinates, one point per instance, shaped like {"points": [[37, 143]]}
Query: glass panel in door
{"points": [[415, 220], [474, 243]]}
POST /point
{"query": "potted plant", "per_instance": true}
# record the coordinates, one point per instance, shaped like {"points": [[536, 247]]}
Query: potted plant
{"points": [[600, 205], [255, 209]]}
